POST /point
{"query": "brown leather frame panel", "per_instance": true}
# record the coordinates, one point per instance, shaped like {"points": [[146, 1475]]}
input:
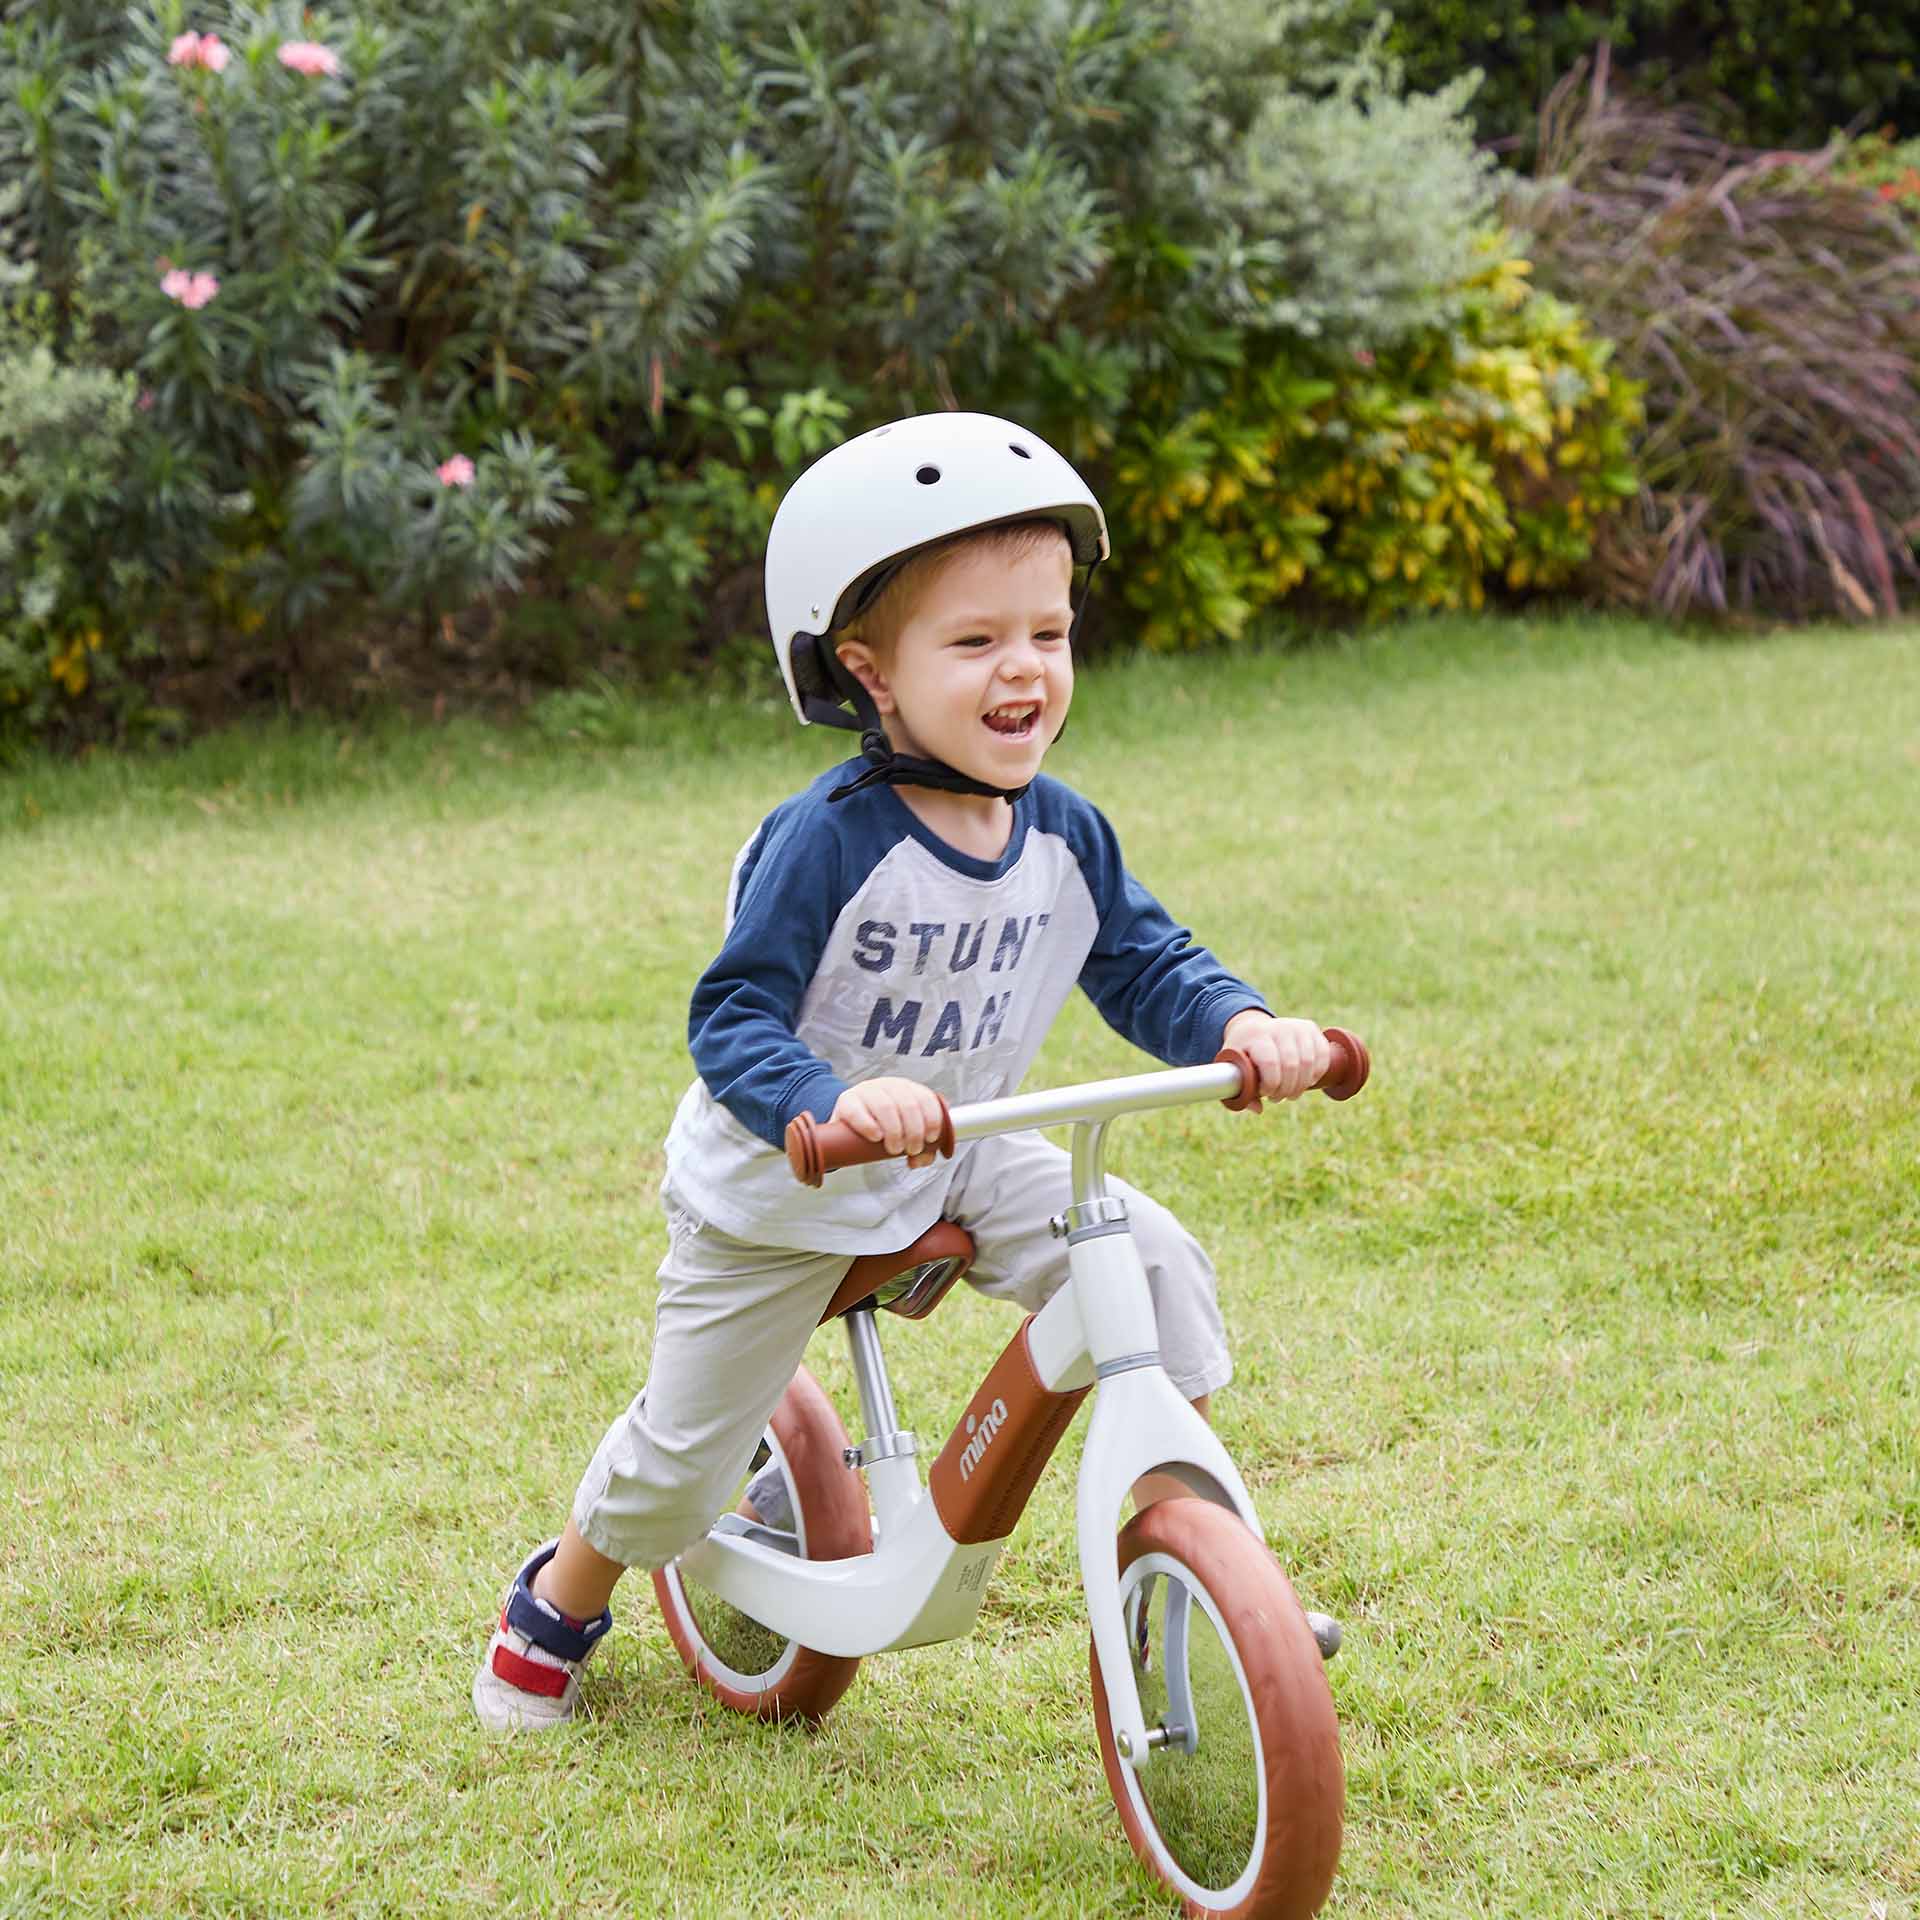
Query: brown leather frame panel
{"points": [[995, 1456], [871, 1271]]}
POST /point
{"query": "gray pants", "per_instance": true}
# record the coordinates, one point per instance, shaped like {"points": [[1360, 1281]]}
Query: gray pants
{"points": [[733, 1320]]}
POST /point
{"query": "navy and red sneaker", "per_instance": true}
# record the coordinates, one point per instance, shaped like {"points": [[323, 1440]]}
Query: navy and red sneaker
{"points": [[530, 1677]]}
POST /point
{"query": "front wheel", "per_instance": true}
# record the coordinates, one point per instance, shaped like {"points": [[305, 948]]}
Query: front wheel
{"points": [[1239, 1807], [823, 1512]]}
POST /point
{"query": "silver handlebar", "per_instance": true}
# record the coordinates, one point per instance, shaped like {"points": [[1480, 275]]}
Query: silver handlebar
{"points": [[1096, 1100]]}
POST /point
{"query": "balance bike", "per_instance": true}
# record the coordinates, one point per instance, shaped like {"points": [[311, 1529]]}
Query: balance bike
{"points": [[1214, 1718]]}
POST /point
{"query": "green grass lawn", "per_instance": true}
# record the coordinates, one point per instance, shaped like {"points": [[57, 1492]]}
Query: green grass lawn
{"points": [[1579, 1359]]}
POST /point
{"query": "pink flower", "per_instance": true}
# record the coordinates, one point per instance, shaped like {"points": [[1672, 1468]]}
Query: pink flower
{"points": [[309, 57], [456, 472], [1363, 356], [145, 401], [192, 290], [199, 50]]}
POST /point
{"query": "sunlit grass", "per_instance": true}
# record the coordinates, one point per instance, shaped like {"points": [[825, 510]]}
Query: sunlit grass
{"points": [[1579, 1359]]}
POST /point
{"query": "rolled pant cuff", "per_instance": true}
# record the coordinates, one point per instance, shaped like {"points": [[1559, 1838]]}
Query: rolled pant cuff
{"points": [[600, 1540], [1209, 1379]]}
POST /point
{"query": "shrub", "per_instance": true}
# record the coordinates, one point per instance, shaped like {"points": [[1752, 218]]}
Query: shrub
{"points": [[664, 564], [1891, 169], [1775, 72], [1772, 311], [429, 303], [1357, 209], [1467, 459], [68, 614]]}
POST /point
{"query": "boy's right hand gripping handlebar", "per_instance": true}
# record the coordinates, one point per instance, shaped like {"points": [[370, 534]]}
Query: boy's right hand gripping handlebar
{"points": [[816, 1148]]}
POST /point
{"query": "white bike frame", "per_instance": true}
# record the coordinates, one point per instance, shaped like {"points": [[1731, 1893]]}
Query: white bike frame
{"points": [[924, 1580]]}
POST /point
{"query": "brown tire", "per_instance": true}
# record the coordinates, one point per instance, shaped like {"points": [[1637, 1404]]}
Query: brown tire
{"points": [[1240, 1813], [743, 1664]]}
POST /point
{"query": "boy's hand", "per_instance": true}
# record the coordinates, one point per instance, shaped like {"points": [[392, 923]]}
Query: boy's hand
{"points": [[902, 1115], [1289, 1055]]}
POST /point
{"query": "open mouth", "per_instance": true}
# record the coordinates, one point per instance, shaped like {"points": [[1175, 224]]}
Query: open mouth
{"points": [[1016, 720]]}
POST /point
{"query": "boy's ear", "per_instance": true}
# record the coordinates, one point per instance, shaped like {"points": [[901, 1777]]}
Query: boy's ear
{"points": [[857, 657]]}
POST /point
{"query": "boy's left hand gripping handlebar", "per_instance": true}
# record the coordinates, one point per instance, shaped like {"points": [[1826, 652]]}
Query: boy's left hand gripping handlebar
{"points": [[816, 1148]]}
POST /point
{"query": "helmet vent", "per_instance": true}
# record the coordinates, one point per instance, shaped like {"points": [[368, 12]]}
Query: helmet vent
{"points": [[1014, 446], [927, 476]]}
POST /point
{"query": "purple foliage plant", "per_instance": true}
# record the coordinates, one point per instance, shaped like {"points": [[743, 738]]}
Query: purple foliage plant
{"points": [[1772, 309]]}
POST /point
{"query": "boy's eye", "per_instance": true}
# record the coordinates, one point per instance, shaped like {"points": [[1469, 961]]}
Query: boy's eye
{"points": [[973, 640]]}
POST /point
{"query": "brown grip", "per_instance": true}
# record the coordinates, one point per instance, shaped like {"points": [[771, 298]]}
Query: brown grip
{"points": [[816, 1148], [1344, 1077]]}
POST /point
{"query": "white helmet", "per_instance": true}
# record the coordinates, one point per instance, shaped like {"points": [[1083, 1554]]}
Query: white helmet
{"points": [[866, 505]]}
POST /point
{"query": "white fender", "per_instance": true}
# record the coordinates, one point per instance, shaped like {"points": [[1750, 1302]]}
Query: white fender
{"points": [[1141, 1424]]}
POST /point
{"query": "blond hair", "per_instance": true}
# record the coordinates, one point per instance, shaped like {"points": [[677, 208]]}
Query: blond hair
{"points": [[877, 625]]}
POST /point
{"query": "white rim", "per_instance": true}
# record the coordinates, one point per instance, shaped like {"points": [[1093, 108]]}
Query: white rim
{"points": [[742, 1682], [1166, 1563]]}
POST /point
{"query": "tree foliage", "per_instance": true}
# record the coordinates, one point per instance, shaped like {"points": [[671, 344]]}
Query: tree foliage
{"points": [[1773, 72]]}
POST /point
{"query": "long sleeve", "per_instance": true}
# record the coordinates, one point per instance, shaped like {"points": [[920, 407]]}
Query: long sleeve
{"points": [[1149, 978], [782, 901]]}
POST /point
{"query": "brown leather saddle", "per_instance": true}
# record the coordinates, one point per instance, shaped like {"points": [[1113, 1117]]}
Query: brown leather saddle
{"points": [[911, 1281]]}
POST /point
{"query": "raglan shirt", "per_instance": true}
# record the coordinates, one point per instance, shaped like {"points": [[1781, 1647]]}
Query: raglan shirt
{"points": [[858, 944]]}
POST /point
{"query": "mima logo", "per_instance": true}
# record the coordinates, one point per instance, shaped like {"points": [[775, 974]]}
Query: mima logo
{"points": [[982, 1432]]}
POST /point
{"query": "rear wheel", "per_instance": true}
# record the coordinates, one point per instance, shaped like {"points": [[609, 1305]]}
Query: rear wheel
{"points": [[743, 1664], [1240, 1810]]}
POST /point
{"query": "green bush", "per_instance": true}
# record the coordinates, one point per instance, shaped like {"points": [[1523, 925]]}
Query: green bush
{"points": [[1779, 72], [1891, 170], [1472, 459], [436, 306], [1357, 208], [64, 437]]}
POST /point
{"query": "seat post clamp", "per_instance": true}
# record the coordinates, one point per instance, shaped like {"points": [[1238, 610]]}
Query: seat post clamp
{"points": [[901, 1444]]}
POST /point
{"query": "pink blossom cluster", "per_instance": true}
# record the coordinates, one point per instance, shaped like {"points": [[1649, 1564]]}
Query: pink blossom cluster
{"points": [[199, 50], [456, 471], [309, 57], [192, 290]]}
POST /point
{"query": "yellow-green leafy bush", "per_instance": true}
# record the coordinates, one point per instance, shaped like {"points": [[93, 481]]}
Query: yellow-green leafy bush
{"points": [[1462, 463]]}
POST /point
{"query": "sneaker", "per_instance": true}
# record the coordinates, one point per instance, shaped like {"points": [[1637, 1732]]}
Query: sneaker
{"points": [[530, 1677], [768, 1497]]}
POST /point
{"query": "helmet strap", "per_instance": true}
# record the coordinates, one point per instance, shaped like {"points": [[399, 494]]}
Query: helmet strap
{"points": [[886, 768]]}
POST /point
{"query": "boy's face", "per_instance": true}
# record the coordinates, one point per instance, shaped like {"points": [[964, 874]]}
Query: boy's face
{"points": [[981, 673]]}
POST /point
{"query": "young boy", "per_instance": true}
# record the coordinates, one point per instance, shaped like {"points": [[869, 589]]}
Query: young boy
{"points": [[902, 928]]}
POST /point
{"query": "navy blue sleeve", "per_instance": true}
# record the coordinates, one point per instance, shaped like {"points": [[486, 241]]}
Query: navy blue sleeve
{"points": [[1148, 976], [787, 891]]}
